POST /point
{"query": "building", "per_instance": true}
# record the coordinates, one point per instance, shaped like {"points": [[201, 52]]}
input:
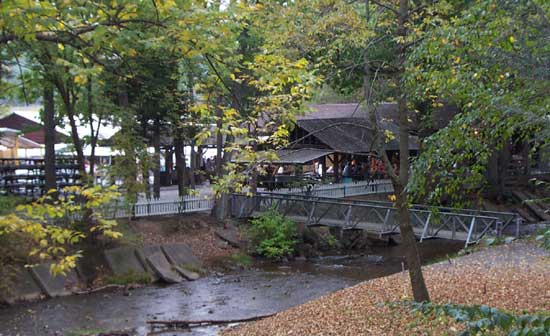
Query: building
{"points": [[32, 131]]}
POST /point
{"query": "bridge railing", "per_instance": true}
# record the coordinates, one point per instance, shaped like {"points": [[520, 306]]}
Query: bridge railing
{"points": [[181, 205], [507, 219], [379, 219], [339, 190]]}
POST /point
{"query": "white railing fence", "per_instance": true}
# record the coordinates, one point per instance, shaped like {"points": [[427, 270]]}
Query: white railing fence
{"points": [[187, 204], [339, 190]]}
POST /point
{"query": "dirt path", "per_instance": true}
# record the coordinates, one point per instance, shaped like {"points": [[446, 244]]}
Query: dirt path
{"points": [[514, 277]]}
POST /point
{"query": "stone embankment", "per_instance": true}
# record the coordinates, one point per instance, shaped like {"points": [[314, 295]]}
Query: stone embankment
{"points": [[170, 263]]}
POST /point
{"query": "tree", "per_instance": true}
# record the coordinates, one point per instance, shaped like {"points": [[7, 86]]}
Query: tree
{"points": [[69, 42], [491, 62]]}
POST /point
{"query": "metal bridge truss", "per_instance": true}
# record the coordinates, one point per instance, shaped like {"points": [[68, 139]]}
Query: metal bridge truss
{"points": [[466, 225]]}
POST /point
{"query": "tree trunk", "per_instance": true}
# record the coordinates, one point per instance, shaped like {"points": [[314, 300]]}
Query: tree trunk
{"points": [[168, 164], [420, 291], [180, 166], [254, 173], [49, 138], [219, 139], [156, 159], [69, 102], [94, 133], [497, 171], [192, 166], [221, 206]]}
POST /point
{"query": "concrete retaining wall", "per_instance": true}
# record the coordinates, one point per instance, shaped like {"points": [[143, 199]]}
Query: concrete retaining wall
{"points": [[169, 263]]}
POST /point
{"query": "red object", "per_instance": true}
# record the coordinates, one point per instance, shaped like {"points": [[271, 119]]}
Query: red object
{"points": [[30, 129]]}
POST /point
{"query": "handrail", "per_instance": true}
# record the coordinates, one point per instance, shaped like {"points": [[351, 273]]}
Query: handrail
{"points": [[384, 204], [328, 200], [467, 226]]}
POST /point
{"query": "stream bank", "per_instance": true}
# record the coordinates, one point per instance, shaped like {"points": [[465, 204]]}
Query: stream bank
{"points": [[238, 293]]}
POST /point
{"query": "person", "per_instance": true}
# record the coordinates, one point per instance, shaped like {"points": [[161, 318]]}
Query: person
{"points": [[346, 173], [346, 170]]}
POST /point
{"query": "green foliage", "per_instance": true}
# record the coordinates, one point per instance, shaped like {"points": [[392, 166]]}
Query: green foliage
{"points": [[544, 239], [273, 235], [8, 203], [52, 226], [130, 278], [494, 241], [241, 259], [193, 268], [482, 320], [488, 60], [331, 241]]}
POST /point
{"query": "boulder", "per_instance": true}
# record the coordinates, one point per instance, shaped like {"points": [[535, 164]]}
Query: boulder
{"points": [[230, 234]]}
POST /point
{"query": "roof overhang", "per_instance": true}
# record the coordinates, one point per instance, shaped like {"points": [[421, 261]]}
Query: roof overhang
{"points": [[290, 156]]}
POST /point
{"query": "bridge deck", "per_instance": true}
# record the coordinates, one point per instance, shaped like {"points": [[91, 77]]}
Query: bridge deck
{"points": [[375, 228], [459, 224]]}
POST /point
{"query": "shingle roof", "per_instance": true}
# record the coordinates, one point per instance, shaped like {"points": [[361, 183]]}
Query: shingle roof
{"points": [[290, 156], [351, 135], [300, 156], [351, 110], [30, 128]]}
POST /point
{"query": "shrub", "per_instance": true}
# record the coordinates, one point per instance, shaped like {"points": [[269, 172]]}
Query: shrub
{"points": [[9, 203], [544, 238], [273, 235], [484, 320], [241, 259], [52, 227]]}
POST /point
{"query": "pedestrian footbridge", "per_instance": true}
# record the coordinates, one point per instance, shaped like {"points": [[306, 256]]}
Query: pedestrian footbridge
{"points": [[377, 217]]}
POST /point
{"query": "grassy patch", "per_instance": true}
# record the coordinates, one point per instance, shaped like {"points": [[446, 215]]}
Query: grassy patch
{"points": [[193, 268], [129, 278], [241, 259], [129, 236]]}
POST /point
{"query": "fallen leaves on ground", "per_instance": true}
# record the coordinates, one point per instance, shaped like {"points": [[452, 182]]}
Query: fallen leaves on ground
{"points": [[196, 230], [514, 277]]}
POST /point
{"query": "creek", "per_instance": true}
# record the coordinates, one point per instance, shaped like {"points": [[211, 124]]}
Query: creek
{"points": [[240, 293]]}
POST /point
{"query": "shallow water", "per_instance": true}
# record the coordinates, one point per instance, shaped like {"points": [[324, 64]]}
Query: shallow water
{"points": [[266, 288]]}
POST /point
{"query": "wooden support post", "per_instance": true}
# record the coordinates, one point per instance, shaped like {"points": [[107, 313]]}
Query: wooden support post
{"points": [[336, 167], [324, 166]]}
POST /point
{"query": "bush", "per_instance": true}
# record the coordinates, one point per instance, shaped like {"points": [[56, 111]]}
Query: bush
{"points": [[51, 228], [544, 238], [273, 235], [9, 203], [484, 320]]}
